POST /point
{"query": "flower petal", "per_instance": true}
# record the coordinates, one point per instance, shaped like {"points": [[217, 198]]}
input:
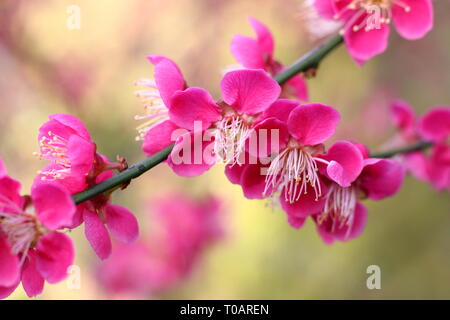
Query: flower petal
{"points": [[71, 122], [280, 109], [158, 137], [307, 204], [193, 104], [247, 52], [97, 235], [297, 88], [54, 255], [267, 137], [296, 222], [364, 45], [253, 181], [313, 123], [168, 77], [32, 281], [346, 163], [10, 198], [234, 173], [121, 223], [414, 22], [381, 178], [54, 205], [404, 118], [9, 266], [249, 91], [435, 124], [263, 36], [81, 155], [191, 156]]}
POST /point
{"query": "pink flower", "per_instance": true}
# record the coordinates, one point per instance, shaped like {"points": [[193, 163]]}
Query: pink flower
{"points": [[202, 129], [353, 176], [31, 249], [75, 164], [434, 126], [258, 53], [366, 22], [182, 231]]}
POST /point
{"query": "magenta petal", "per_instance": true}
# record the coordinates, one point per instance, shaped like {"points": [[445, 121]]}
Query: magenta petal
{"points": [[10, 198], [346, 163], [404, 118], [74, 183], [253, 181], [363, 45], [158, 137], [168, 77], [307, 204], [9, 266], [97, 235], [73, 123], [267, 137], [81, 155], [32, 281], [416, 164], [249, 91], [54, 205], [191, 156], [2, 167], [296, 222], [297, 88], [381, 178], [234, 173], [263, 36], [193, 104], [415, 22], [280, 109], [325, 8], [359, 223], [121, 223], [247, 52], [54, 255], [435, 124], [313, 123]]}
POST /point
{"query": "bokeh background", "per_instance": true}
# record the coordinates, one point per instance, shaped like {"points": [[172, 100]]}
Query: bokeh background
{"points": [[46, 68]]}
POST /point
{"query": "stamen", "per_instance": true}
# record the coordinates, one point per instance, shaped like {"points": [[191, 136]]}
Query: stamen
{"points": [[339, 207], [231, 134], [54, 149], [293, 169], [156, 110]]}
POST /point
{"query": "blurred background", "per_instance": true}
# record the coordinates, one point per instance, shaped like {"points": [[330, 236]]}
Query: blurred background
{"points": [[47, 67]]}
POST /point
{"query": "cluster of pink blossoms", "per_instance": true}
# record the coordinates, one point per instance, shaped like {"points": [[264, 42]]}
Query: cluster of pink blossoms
{"points": [[433, 166], [289, 158], [367, 22], [184, 230]]}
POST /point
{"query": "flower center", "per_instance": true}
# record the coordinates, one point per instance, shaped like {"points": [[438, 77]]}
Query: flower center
{"points": [[231, 135], [22, 230], [339, 207], [155, 109], [293, 169], [54, 149], [370, 14]]}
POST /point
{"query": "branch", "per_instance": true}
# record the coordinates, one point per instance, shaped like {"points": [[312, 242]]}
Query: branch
{"points": [[414, 147], [308, 61]]}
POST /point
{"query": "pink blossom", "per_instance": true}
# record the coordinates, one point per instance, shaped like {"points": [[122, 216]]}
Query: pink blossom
{"points": [[367, 22], [183, 230], [32, 251], [202, 129], [434, 126], [258, 53], [75, 164], [343, 217]]}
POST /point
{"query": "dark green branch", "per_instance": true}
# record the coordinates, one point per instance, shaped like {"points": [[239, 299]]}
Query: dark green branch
{"points": [[310, 60], [123, 177], [414, 147]]}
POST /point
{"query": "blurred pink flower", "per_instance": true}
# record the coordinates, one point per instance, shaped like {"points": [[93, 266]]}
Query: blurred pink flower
{"points": [[31, 250], [366, 22], [434, 126], [183, 230], [75, 164], [258, 53]]}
